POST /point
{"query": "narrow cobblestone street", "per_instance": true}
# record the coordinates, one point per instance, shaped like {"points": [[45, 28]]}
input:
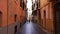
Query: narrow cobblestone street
{"points": [[31, 28]]}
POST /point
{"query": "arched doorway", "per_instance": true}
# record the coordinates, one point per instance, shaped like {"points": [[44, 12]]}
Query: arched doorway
{"points": [[57, 18], [0, 18]]}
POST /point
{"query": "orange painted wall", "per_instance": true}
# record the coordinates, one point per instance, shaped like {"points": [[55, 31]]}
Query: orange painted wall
{"points": [[3, 9], [13, 8]]}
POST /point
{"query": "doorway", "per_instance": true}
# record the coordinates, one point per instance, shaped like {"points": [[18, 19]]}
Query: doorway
{"points": [[0, 18], [44, 18], [15, 29], [57, 18]]}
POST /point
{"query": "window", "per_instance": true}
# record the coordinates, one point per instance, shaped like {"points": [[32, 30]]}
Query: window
{"points": [[0, 18], [38, 3], [45, 17], [21, 3], [15, 17], [44, 13], [33, 6], [37, 6]]}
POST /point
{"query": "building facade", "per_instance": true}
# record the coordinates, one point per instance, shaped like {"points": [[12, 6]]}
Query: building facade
{"points": [[47, 15], [11, 16], [49, 10]]}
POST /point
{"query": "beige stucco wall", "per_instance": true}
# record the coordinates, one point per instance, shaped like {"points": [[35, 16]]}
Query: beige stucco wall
{"points": [[48, 22]]}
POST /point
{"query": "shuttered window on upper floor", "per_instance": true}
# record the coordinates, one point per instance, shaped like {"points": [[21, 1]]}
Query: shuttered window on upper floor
{"points": [[22, 4]]}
